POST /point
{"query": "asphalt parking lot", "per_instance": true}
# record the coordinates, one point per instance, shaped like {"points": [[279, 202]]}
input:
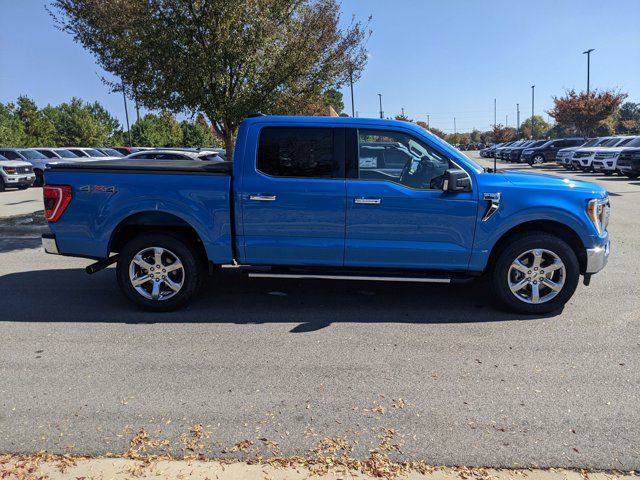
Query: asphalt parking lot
{"points": [[440, 370]]}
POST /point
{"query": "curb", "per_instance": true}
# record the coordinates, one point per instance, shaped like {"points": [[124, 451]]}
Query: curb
{"points": [[35, 230]]}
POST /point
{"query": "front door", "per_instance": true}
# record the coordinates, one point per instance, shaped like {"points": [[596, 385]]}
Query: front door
{"points": [[400, 217], [293, 198]]}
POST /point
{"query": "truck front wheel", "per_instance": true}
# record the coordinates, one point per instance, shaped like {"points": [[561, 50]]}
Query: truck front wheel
{"points": [[159, 272], [536, 273]]}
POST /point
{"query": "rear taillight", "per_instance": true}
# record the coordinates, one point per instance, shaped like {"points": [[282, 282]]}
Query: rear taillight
{"points": [[56, 200]]}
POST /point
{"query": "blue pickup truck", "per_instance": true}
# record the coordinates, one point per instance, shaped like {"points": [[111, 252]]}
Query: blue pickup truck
{"points": [[329, 198]]}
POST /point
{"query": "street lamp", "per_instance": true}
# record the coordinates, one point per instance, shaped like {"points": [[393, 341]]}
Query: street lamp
{"points": [[588, 54], [381, 112], [533, 98]]}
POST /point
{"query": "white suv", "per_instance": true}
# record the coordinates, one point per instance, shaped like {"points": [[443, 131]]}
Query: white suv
{"points": [[15, 173], [90, 153], [606, 160], [582, 158], [29, 155]]}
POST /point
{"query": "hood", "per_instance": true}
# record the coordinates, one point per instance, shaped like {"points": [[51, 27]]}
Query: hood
{"points": [[543, 181], [14, 163]]}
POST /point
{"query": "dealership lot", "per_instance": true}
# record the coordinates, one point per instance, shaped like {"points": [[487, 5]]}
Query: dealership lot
{"points": [[457, 380]]}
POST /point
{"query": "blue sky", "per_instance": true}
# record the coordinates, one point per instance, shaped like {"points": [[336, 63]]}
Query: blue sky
{"points": [[446, 59]]}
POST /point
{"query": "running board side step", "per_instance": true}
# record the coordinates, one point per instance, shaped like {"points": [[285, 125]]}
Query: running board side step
{"points": [[353, 277]]}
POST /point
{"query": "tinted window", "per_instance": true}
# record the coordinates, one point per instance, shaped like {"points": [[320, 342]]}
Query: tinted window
{"points": [[77, 152], [92, 152], [111, 152], [297, 152], [634, 143], [10, 155], [32, 154], [48, 153], [66, 153], [423, 167], [171, 156], [624, 141]]}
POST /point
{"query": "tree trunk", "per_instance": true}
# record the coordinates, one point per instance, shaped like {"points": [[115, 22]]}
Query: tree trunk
{"points": [[229, 142]]}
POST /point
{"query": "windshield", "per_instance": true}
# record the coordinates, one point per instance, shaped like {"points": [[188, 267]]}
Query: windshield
{"points": [[111, 152], [592, 142], [619, 142], [32, 154], [65, 153], [92, 152], [634, 142]]}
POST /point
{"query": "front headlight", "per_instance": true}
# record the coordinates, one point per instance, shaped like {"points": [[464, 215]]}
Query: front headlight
{"points": [[10, 170], [598, 211]]}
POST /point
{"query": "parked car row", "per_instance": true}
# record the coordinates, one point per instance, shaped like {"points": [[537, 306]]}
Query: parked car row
{"points": [[607, 155], [24, 167]]}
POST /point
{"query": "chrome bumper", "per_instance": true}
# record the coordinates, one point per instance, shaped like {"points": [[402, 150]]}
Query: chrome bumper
{"points": [[49, 243], [597, 258]]}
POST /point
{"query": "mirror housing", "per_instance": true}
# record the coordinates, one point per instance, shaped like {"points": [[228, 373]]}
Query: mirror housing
{"points": [[456, 180]]}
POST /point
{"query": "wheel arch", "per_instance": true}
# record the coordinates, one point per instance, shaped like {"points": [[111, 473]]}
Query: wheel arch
{"points": [[551, 227], [146, 221]]}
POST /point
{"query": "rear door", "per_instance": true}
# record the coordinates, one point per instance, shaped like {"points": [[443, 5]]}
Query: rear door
{"points": [[293, 198], [402, 218]]}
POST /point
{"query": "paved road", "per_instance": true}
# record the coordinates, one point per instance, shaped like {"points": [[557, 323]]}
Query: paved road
{"points": [[20, 202], [294, 362]]}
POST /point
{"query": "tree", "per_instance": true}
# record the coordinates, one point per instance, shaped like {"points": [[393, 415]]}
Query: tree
{"points": [[198, 134], [11, 128], [541, 127], [225, 58], [586, 114], [475, 136], [38, 129], [628, 121], [403, 118], [157, 131], [333, 98], [80, 123], [502, 134]]}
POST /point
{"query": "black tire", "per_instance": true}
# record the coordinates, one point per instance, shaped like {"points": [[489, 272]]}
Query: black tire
{"points": [[537, 159], [608, 173], [520, 244], [192, 274], [2, 187], [23, 187], [39, 181], [633, 176]]}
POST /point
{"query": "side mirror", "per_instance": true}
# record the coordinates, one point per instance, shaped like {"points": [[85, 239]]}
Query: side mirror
{"points": [[456, 180]]}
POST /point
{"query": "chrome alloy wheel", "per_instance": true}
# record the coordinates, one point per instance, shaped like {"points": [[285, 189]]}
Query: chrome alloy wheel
{"points": [[536, 276], [538, 160], [156, 273]]}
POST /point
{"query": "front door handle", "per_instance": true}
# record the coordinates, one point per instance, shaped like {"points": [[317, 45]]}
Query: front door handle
{"points": [[262, 198], [368, 201]]}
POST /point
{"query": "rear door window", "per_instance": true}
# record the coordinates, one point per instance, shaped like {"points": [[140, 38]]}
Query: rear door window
{"points": [[298, 152], [10, 155]]}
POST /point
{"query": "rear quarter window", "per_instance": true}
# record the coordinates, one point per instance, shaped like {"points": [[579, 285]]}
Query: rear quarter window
{"points": [[297, 152]]}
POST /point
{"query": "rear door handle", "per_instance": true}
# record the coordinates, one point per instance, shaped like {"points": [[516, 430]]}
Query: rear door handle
{"points": [[262, 198], [368, 201]]}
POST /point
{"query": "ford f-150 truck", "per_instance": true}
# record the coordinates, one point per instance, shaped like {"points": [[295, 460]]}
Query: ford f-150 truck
{"points": [[329, 198]]}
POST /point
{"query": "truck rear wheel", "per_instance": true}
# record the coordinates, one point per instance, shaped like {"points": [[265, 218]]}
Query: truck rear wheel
{"points": [[536, 273], [159, 272]]}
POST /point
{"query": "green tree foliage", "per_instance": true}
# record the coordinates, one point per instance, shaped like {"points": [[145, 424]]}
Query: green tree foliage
{"points": [[475, 136], [333, 98], [198, 134], [502, 134], [157, 131], [587, 114], [38, 128], [628, 118], [539, 124], [81, 123], [225, 58], [11, 128]]}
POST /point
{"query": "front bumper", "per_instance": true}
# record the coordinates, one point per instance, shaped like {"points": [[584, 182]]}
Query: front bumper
{"points": [[597, 258], [604, 165], [49, 243], [19, 180]]}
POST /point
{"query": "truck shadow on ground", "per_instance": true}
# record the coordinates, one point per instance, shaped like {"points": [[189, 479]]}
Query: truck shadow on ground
{"points": [[72, 296]]}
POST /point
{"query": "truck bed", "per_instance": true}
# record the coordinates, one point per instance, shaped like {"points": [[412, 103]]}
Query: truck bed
{"points": [[148, 166]]}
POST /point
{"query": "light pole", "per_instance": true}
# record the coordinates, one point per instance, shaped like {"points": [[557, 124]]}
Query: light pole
{"points": [[402, 111], [517, 119], [126, 112], [381, 112], [495, 119], [506, 121], [428, 123], [533, 122], [353, 108], [455, 130], [588, 54]]}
